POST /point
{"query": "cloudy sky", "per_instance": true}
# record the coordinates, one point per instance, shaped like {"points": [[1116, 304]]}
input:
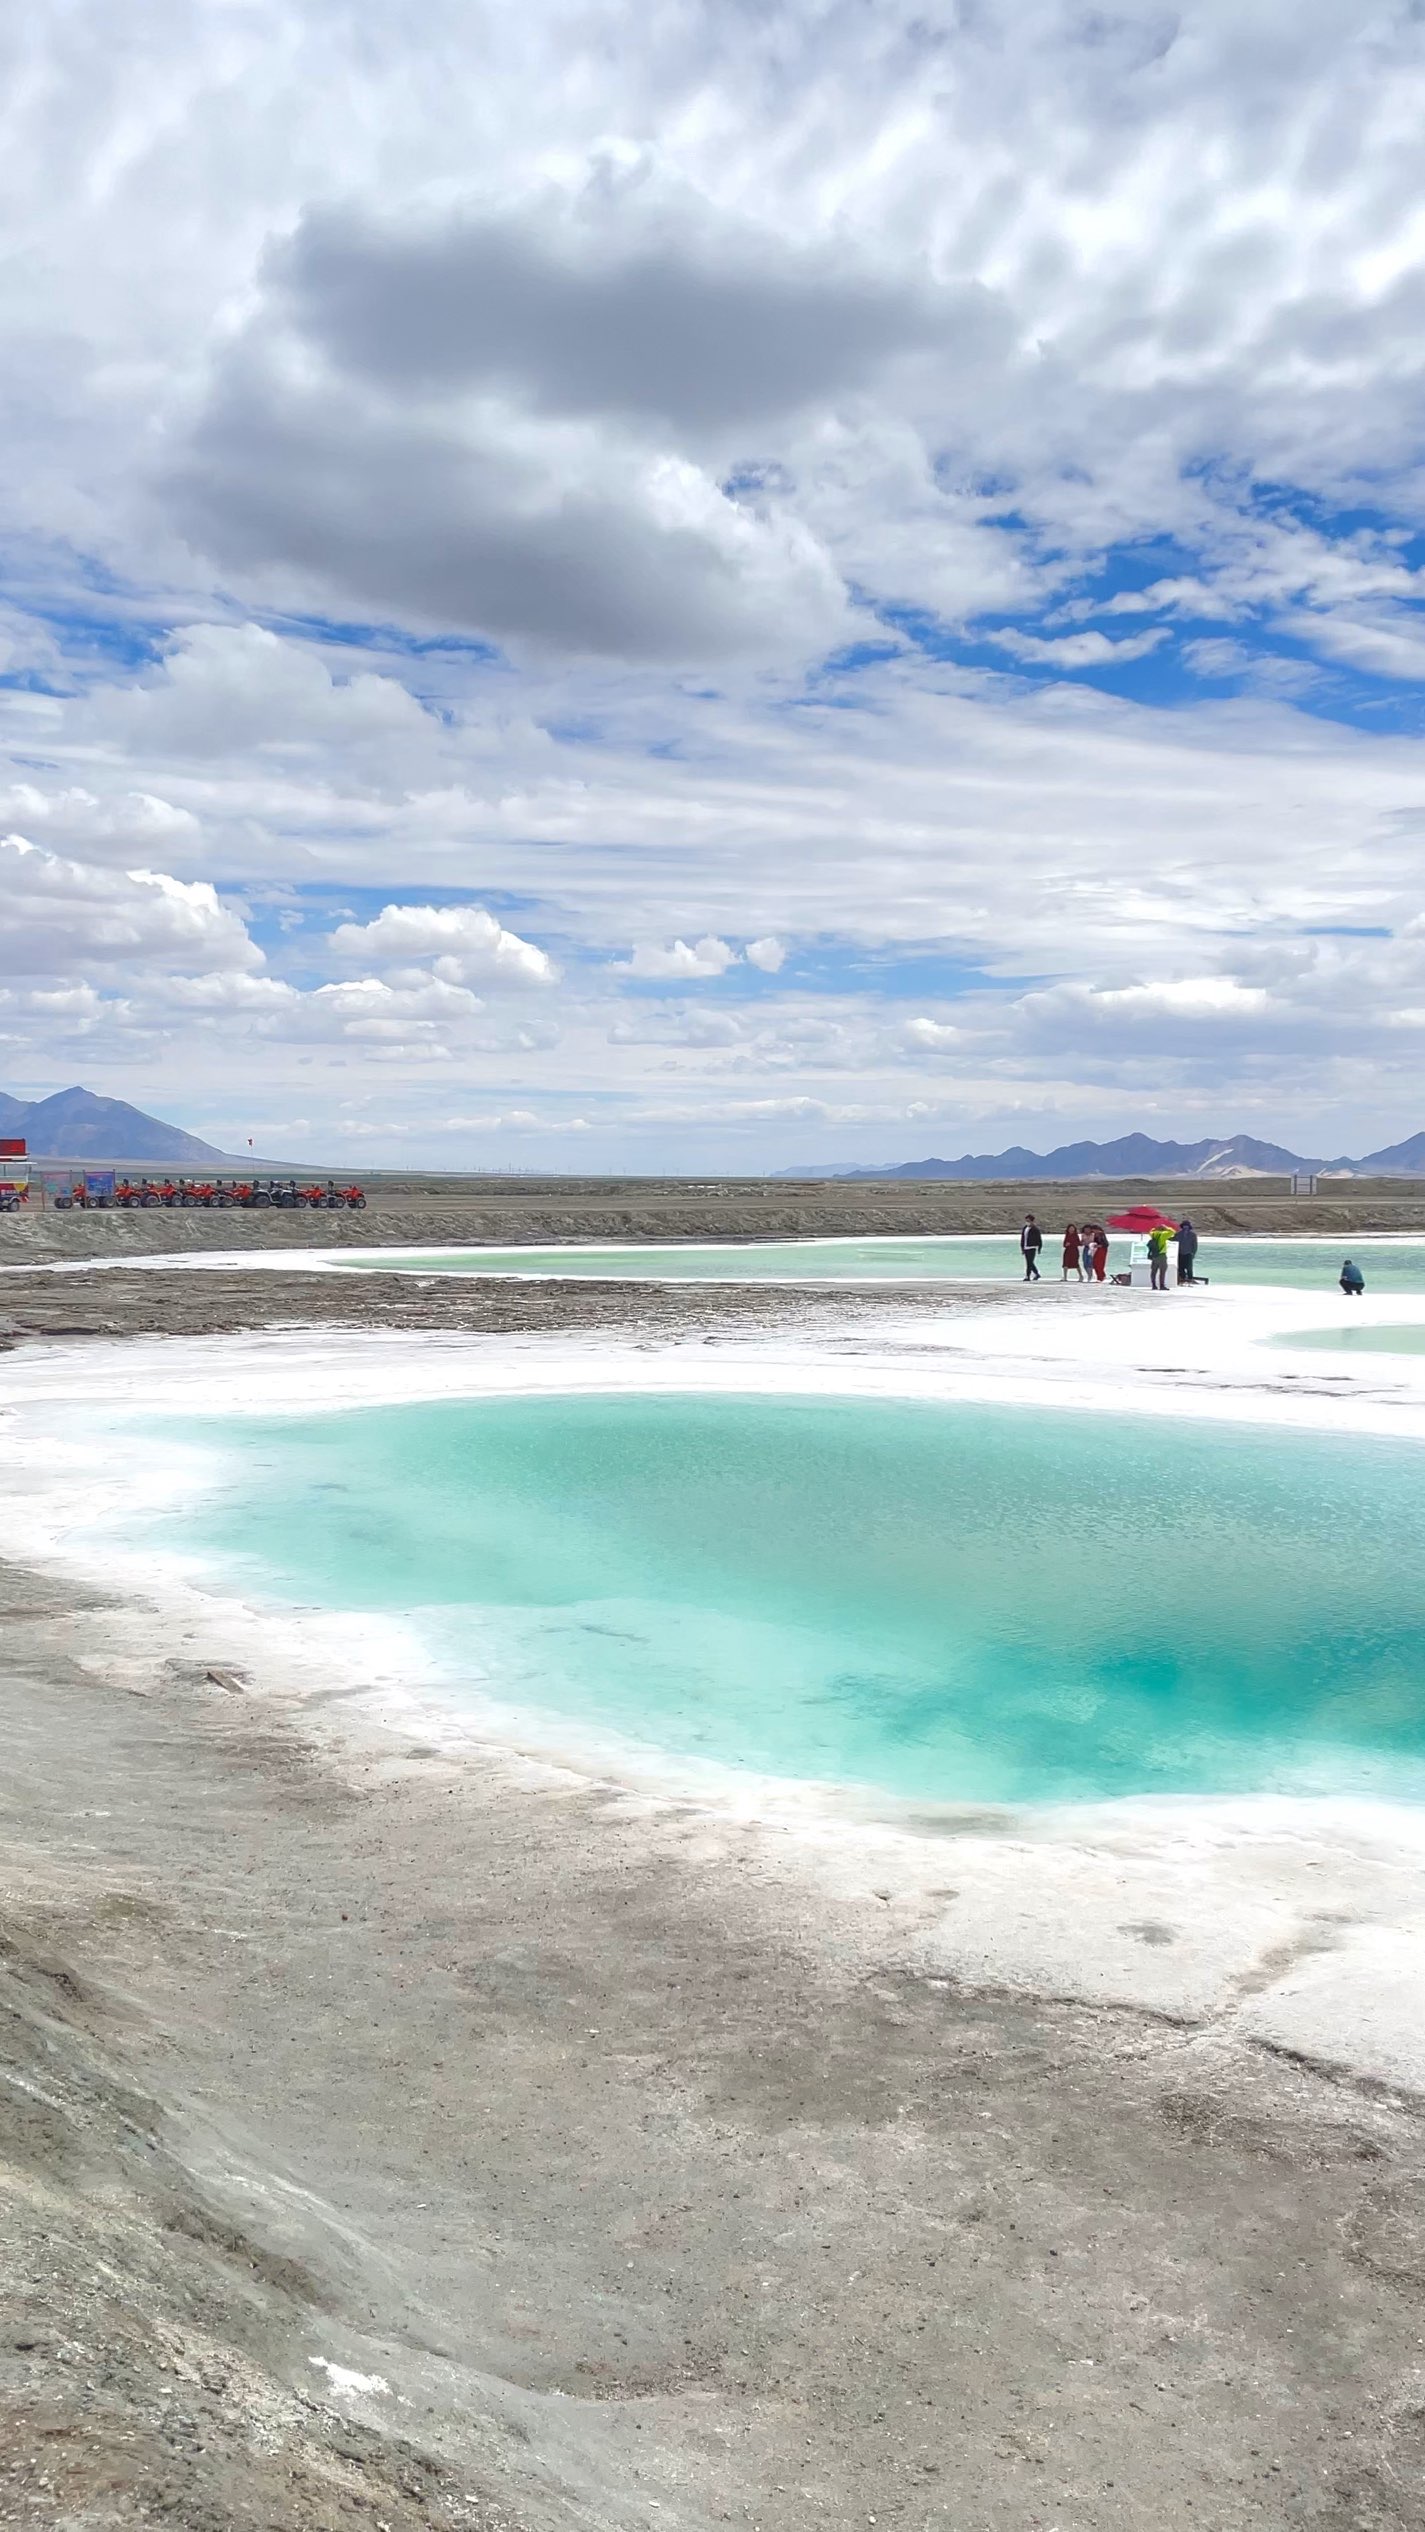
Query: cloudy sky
{"points": [[714, 585]]}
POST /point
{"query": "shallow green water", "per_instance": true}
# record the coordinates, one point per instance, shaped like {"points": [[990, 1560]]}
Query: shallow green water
{"points": [[1356, 1340], [1301, 1265], [953, 1603]]}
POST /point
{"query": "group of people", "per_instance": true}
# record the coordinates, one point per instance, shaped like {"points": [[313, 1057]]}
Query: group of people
{"points": [[1085, 1255], [1085, 1252]]}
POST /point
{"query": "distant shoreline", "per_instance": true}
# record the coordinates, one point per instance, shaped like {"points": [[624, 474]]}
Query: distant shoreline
{"points": [[414, 1212]]}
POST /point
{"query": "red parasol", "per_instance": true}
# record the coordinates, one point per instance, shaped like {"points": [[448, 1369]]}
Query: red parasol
{"points": [[1141, 1218]]}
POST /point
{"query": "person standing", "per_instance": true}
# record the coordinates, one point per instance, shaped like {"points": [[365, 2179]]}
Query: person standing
{"points": [[1158, 1257], [1071, 1253], [1100, 1253], [1187, 1251], [1031, 1240]]}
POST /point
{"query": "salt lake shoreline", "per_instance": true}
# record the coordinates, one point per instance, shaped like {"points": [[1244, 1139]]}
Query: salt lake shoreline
{"points": [[1246, 1950], [1049, 1899]]}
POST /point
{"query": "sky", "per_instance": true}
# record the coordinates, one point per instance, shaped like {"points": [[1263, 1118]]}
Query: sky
{"points": [[714, 586]]}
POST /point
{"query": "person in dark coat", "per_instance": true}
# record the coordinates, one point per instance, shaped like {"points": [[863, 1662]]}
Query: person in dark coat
{"points": [[1353, 1282], [1187, 1252], [1031, 1240]]}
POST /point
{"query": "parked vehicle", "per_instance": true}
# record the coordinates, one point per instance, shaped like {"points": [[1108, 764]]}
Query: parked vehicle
{"points": [[98, 1190], [95, 1192]]}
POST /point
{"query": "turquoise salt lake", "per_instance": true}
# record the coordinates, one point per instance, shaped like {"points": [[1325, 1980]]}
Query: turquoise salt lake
{"points": [[1298, 1265], [948, 1603]]}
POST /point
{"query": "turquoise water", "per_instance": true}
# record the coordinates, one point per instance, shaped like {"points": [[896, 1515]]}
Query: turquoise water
{"points": [[1301, 1265], [949, 1603], [1359, 1340]]}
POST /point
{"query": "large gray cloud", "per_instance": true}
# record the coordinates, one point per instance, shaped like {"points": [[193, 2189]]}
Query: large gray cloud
{"points": [[481, 531], [696, 329], [519, 425]]}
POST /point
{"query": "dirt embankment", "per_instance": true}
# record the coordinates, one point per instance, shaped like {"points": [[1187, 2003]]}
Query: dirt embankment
{"points": [[471, 1212], [224, 1302], [390, 2144]]}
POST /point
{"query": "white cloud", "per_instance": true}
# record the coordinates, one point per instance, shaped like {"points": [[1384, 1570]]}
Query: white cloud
{"points": [[768, 954], [56, 916], [1382, 650], [1077, 650], [124, 823], [395, 1015], [221, 997], [932, 1036], [680, 961], [468, 946], [513, 1121], [678, 1024], [1209, 999], [222, 688]]}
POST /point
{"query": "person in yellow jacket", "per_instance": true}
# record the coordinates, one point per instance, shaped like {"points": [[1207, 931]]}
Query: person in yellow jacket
{"points": [[1158, 1257]]}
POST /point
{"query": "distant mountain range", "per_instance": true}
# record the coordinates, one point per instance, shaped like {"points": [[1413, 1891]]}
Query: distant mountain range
{"points": [[1138, 1156], [79, 1125]]}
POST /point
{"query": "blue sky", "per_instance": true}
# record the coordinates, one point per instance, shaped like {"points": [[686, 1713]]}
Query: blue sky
{"points": [[825, 586]]}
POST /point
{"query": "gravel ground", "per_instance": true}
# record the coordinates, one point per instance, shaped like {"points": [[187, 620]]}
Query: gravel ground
{"points": [[219, 1302], [519, 1212]]}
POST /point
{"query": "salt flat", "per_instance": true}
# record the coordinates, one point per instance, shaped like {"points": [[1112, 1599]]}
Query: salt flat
{"points": [[661, 2144]]}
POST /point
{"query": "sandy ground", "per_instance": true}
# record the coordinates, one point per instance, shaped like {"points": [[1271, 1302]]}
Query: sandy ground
{"points": [[400, 2133]]}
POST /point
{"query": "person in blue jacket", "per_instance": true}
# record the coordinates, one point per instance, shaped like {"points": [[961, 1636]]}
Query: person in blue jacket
{"points": [[1353, 1282]]}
